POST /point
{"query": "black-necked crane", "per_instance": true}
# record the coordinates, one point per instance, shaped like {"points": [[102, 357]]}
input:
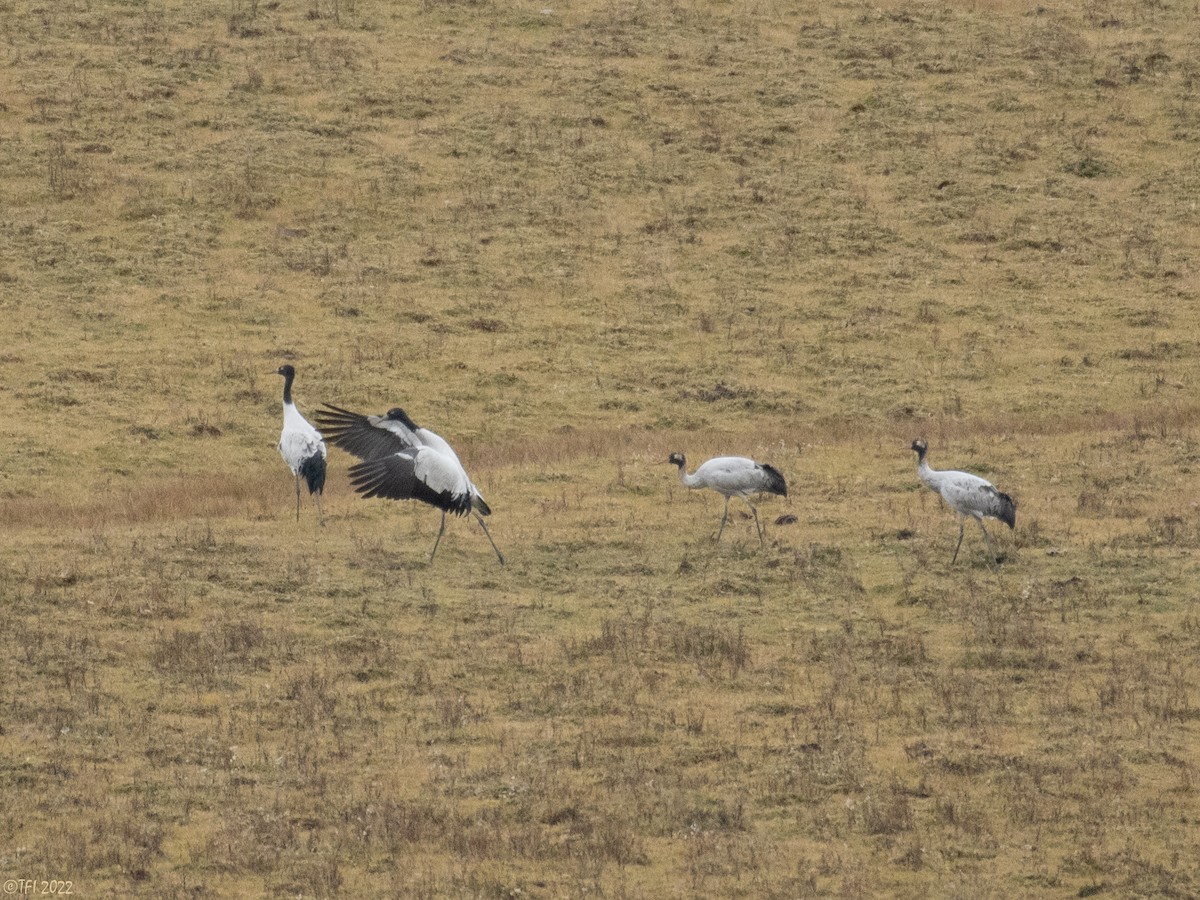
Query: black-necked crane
{"points": [[301, 446], [733, 476], [402, 461], [967, 495]]}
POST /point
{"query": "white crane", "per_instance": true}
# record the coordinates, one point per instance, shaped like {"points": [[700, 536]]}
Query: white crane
{"points": [[733, 476], [301, 446], [402, 461], [967, 495]]}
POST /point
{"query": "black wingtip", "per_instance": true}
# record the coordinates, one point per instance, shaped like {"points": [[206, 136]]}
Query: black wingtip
{"points": [[335, 413]]}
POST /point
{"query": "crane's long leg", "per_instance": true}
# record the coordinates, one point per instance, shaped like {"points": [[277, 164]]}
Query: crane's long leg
{"points": [[961, 522], [993, 558], [724, 516], [297, 498], [483, 525], [441, 531], [757, 524]]}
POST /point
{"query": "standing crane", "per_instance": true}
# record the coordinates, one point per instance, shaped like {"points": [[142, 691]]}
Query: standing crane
{"points": [[402, 461], [301, 446], [733, 476], [967, 495]]}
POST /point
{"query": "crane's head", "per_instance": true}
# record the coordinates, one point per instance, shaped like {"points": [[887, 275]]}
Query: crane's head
{"points": [[396, 414], [920, 447], [287, 371], [677, 459]]}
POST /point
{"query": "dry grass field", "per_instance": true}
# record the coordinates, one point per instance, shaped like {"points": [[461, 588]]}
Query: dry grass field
{"points": [[573, 237]]}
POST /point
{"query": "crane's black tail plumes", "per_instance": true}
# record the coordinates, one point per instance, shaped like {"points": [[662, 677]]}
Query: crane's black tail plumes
{"points": [[1008, 510], [313, 472], [775, 483]]}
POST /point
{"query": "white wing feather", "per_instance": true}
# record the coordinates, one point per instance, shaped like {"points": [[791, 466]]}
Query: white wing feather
{"points": [[439, 473]]}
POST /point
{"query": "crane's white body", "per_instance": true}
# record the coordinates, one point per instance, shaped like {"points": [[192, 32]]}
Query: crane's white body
{"points": [[967, 495], [299, 441], [301, 446], [441, 471], [402, 461], [733, 476], [440, 463]]}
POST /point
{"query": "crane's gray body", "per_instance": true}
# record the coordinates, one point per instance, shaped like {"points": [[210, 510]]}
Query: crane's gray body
{"points": [[967, 495]]}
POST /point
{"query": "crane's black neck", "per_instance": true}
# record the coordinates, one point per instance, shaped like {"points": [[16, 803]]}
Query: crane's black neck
{"points": [[402, 417], [288, 377]]}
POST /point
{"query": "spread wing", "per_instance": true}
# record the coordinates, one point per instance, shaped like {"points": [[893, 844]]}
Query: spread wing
{"points": [[367, 437], [416, 473]]}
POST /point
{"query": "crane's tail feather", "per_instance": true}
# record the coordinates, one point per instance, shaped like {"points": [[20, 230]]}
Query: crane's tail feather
{"points": [[313, 472], [480, 505]]}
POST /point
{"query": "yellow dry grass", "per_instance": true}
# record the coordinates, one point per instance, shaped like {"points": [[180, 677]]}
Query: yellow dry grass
{"points": [[574, 238]]}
